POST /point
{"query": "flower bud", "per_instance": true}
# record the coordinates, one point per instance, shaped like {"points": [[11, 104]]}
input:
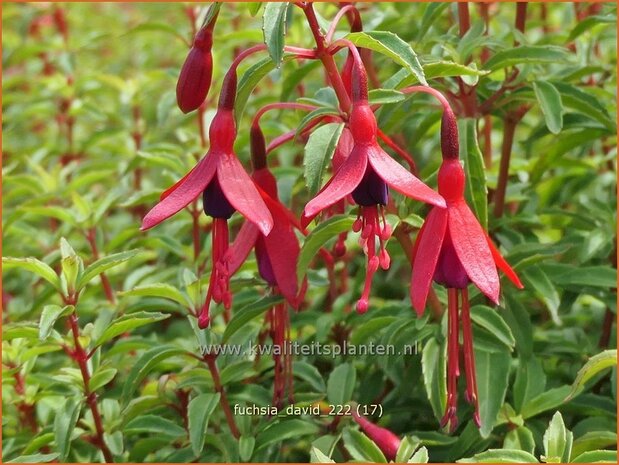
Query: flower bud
{"points": [[195, 78], [449, 136], [386, 441]]}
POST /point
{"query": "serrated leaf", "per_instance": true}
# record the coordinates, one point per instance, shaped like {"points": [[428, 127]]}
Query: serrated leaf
{"points": [[274, 29], [489, 318], [594, 365], [556, 441], [34, 266], [549, 100], [317, 456], [159, 290], [199, 411], [286, 429], [154, 424], [318, 152], [538, 280], [128, 322], [391, 45], [34, 458], [526, 54], [102, 265]]}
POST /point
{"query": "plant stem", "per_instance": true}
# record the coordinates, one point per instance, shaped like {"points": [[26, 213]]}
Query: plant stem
{"points": [[464, 18], [326, 58], [509, 129], [223, 399], [80, 356]]}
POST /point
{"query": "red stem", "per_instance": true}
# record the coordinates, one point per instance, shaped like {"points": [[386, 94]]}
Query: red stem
{"points": [[80, 356], [399, 150], [509, 129], [464, 18], [325, 57], [223, 399]]}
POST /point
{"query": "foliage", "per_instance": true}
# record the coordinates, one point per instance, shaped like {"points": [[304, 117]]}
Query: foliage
{"points": [[92, 136]]}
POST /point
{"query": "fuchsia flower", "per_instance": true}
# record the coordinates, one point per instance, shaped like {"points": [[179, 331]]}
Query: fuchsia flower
{"points": [[225, 187], [194, 80], [277, 254], [367, 173], [386, 441], [453, 250]]}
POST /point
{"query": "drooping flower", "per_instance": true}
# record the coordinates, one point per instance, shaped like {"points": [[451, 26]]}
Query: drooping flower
{"points": [[194, 80], [367, 174], [386, 441], [225, 187], [453, 249], [277, 255]]}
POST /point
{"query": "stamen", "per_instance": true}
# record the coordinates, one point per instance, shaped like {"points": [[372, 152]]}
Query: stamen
{"points": [[453, 370], [469, 357]]}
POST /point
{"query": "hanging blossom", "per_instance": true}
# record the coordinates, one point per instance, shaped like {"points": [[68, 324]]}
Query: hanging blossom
{"points": [[453, 249], [194, 80], [277, 255], [366, 174], [386, 441], [225, 188]]}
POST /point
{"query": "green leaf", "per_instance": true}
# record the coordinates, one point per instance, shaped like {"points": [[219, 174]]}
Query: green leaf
{"points": [[536, 279], [584, 102], [530, 381], [70, 263], [274, 28], [34, 266], [391, 45], [441, 68], [490, 319], [159, 290], [590, 276], [589, 22], [128, 322], [596, 456], [101, 378], [114, 442], [474, 168], [102, 265], [49, 315], [64, 423], [361, 447], [549, 100], [154, 424], [520, 438], [317, 456], [421, 456], [526, 54], [254, 7], [147, 362], [318, 152], [248, 313], [548, 400], [557, 441], [199, 411], [35, 458], [286, 429], [593, 440], [407, 448], [501, 456], [383, 96], [318, 237], [310, 374], [341, 384], [594, 365], [310, 117], [492, 369], [433, 365], [432, 12]]}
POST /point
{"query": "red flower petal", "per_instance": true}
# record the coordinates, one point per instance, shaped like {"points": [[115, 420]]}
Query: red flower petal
{"points": [[425, 256], [503, 265], [242, 245], [343, 183], [283, 248], [397, 177], [241, 192], [183, 192], [194, 80], [469, 240]]}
